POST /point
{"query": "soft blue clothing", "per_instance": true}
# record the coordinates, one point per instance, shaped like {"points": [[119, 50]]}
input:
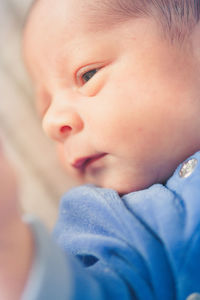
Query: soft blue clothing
{"points": [[144, 245]]}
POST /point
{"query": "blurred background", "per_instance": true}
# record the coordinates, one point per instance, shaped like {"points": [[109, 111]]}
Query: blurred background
{"points": [[42, 181]]}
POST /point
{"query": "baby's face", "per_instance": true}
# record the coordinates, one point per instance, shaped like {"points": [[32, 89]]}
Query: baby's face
{"points": [[122, 105]]}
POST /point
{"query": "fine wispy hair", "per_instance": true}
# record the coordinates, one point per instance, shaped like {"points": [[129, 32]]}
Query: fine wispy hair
{"points": [[176, 18]]}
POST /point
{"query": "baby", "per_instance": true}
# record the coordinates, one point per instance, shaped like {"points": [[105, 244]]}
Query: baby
{"points": [[117, 88], [119, 97]]}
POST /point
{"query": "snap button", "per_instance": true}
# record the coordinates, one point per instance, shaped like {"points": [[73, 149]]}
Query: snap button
{"points": [[194, 296], [188, 167]]}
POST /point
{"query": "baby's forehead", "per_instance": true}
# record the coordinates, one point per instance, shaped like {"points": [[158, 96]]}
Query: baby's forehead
{"points": [[62, 20], [93, 15], [52, 18], [55, 27]]}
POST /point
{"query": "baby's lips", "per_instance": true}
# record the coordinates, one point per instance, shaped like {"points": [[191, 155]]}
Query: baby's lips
{"points": [[79, 163], [82, 162]]}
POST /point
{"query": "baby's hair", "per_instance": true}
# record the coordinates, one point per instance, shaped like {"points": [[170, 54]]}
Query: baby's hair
{"points": [[176, 18]]}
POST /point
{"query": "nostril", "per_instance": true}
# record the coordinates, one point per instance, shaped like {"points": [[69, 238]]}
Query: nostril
{"points": [[65, 129]]}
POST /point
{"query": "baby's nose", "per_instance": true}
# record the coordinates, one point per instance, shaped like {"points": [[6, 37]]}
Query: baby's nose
{"points": [[59, 125]]}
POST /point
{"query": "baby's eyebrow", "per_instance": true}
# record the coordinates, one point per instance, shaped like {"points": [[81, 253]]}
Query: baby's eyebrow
{"points": [[62, 70], [60, 63]]}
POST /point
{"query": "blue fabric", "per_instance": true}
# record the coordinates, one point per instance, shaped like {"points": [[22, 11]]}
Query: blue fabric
{"points": [[49, 277], [145, 245]]}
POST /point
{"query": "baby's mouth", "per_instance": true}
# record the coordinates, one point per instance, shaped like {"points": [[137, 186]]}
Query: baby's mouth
{"points": [[83, 162]]}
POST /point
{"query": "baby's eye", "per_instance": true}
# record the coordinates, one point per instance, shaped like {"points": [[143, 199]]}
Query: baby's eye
{"points": [[88, 75]]}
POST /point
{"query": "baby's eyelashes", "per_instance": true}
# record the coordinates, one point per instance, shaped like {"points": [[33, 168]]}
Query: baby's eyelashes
{"points": [[88, 75]]}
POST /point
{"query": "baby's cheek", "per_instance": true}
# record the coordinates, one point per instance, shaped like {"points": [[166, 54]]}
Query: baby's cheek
{"points": [[69, 170]]}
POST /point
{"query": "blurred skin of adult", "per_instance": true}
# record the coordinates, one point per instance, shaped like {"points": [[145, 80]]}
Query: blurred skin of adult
{"points": [[16, 245]]}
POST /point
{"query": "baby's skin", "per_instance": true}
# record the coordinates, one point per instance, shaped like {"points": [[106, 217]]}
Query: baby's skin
{"points": [[121, 103]]}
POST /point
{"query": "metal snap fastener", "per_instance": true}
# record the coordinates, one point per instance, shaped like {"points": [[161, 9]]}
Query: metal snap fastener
{"points": [[188, 167], [194, 296]]}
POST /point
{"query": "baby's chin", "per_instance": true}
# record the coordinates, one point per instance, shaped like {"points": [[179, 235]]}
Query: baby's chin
{"points": [[122, 179], [121, 184]]}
